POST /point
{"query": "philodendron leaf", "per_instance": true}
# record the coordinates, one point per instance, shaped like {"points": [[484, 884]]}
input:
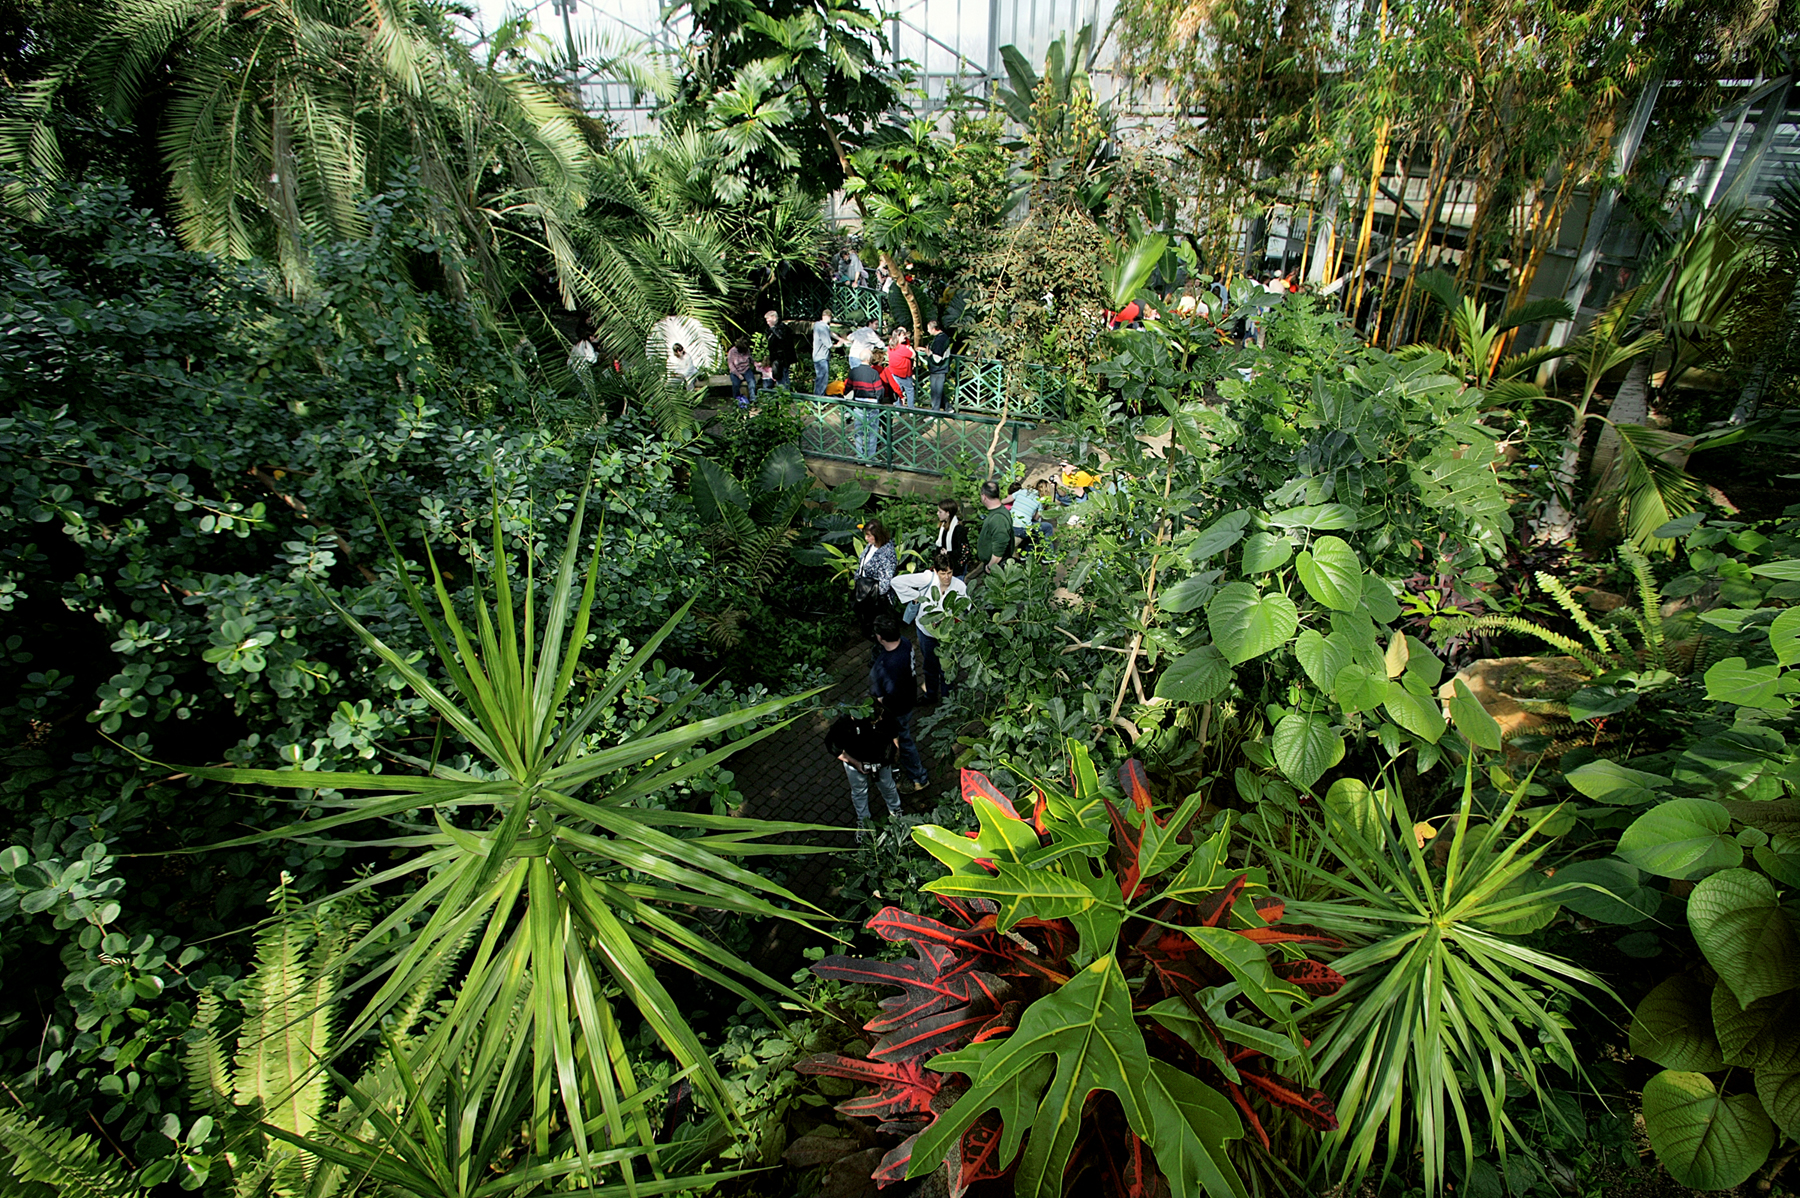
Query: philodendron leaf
{"points": [[1732, 681], [1620, 895], [1673, 1027], [1745, 934], [1266, 551], [1767, 1032], [1306, 746], [1218, 536], [1246, 624], [1472, 719], [1682, 838], [1705, 1139], [1197, 677], [1609, 782], [1331, 573]]}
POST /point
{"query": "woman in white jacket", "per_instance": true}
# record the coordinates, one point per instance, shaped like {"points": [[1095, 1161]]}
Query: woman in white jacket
{"points": [[931, 587]]}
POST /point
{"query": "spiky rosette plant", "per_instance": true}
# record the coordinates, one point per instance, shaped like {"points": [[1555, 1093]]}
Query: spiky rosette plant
{"points": [[1105, 1001], [542, 872]]}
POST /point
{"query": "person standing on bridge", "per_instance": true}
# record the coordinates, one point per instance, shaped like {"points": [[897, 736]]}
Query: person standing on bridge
{"points": [[823, 338], [781, 348], [939, 350], [900, 364]]}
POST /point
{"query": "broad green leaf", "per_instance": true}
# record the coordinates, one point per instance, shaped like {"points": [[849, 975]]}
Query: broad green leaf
{"points": [[1020, 891], [1422, 664], [1315, 515], [1245, 624], [1190, 592], [1609, 782], [1306, 746], [1778, 1077], [1331, 573], [1190, 1125], [1322, 657], [1682, 838], [1673, 1027], [1704, 1139], [1765, 1032], [1417, 714], [1622, 896], [1787, 571], [1784, 636], [1098, 925], [1266, 551], [1472, 719], [1197, 677], [1350, 806], [1248, 964], [1206, 871], [1745, 934], [1086, 1028], [1379, 602], [1357, 688], [1731, 681], [1218, 536], [1395, 657], [1780, 858]]}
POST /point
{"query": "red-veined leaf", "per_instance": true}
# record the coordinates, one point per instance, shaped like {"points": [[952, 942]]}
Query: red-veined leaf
{"points": [[1316, 979], [1136, 784], [975, 785]]}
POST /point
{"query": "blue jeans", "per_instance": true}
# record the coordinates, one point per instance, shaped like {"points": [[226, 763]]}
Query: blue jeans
{"points": [[859, 790], [821, 374], [938, 379], [906, 390], [934, 669], [865, 432], [909, 749], [778, 375], [743, 388]]}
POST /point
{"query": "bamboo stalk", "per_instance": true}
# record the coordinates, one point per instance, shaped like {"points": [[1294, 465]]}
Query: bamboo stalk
{"points": [[1368, 225], [1437, 184], [1402, 173]]}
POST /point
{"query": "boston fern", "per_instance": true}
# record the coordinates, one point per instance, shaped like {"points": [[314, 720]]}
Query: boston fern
{"points": [[541, 871], [1099, 1006]]}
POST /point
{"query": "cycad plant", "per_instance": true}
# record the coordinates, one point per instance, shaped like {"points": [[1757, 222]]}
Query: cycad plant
{"points": [[546, 871], [1444, 1008], [1479, 341]]}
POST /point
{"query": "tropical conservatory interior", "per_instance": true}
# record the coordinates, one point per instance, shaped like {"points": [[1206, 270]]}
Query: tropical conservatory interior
{"points": [[834, 598]]}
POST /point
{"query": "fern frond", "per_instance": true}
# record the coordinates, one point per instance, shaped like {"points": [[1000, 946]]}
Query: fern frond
{"points": [[208, 1073], [55, 1156], [1566, 600], [1459, 625], [1650, 605]]}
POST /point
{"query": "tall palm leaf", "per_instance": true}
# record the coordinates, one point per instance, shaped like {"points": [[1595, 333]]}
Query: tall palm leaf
{"points": [[543, 871]]}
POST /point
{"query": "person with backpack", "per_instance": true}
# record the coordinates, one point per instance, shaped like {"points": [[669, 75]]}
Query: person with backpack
{"points": [[895, 689], [867, 746], [928, 589]]}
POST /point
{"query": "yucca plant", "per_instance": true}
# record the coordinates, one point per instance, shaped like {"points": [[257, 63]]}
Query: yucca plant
{"points": [[541, 871], [1440, 995]]}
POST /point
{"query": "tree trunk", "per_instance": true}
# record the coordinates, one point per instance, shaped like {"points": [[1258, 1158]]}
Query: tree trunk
{"points": [[1377, 163], [1625, 147], [1630, 406], [906, 291]]}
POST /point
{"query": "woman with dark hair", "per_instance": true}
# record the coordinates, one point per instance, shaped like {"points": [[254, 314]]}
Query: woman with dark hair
{"points": [[952, 537], [874, 581]]}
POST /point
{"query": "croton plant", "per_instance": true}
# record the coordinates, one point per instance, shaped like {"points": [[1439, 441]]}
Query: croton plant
{"points": [[1105, 998]]}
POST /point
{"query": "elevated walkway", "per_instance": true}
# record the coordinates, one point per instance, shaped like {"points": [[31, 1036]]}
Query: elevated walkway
{"points": [[913, 449]]}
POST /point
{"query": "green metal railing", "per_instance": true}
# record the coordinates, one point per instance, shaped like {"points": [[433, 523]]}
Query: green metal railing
{"points": [[856, 305], [896, 437]]}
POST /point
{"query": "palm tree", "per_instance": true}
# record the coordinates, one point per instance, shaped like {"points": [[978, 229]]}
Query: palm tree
{"points": [[286, 116], [904, 202], [1479, 341]]}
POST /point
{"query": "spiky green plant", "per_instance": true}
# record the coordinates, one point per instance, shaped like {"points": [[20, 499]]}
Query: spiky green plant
{"points": [[541, 871], [1443, 1009], [71, 1164]]}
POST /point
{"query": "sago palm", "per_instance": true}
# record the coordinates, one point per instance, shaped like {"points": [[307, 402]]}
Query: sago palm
{"points": [[547, 872]]}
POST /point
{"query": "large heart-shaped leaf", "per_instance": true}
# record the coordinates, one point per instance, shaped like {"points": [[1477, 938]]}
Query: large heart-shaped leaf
{"points": [[1331, 573], [1265, 551], [1621, 896], [1682, 838], [1610, 782], [1778, 1080], [1190, 592], [1673, 1027], [1705, 1139], [1378, 601], [1417, 714], [1767, 1032], [1731, 681], [1321, 657], [1220, 535], [1247, 624], [1306, 746], [1472, 719], [1351, 807], [1358, 688], [1197, 677], [1745, 934]]}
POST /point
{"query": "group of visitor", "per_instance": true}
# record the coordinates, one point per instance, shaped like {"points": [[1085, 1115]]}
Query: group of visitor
{"points": [[871, 747]]}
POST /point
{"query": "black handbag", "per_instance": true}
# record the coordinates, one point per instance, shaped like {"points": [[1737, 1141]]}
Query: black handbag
{"points": [[867, 590]]}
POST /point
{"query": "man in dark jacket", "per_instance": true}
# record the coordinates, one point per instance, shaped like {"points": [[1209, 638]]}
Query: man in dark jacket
{"points": [[781, 347], [867, 745], [896, 691]]}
